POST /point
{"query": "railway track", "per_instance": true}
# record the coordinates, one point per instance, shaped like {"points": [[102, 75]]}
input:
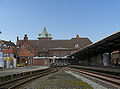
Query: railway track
{"points": [[109, 79], [17, 82]]}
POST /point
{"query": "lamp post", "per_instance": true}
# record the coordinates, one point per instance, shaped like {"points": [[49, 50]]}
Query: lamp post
{"points": [[32, 61], [18, 59]]}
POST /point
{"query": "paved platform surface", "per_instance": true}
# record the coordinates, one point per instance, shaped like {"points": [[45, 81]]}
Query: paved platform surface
{"points": [[112, 69], [6, 72]]}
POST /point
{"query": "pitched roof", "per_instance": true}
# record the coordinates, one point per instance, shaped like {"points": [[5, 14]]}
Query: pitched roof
{"points": [[8, 50], [44, 34], [21, 42], [8, 43], [45, 45]]}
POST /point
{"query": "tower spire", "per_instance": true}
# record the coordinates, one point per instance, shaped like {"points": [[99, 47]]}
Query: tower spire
{"points": [[44, 26], [44, 34]]}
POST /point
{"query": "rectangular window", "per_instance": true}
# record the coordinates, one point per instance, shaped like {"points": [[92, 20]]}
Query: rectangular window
{"points": [[62, 54], [57, 54], [40, 54]]}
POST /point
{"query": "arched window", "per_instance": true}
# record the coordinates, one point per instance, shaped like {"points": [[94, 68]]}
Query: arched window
{"points": [[22, 47], [28, 47]]}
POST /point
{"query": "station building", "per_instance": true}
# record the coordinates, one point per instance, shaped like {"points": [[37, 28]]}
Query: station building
{"points": [[9, 53], [45, 46]]}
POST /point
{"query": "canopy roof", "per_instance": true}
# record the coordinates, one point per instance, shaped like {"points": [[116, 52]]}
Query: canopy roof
{"points": [[106, 45]]}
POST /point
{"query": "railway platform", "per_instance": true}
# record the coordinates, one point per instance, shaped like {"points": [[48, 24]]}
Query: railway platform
{"points": [[113, 71], [11, 74], [19, 70]]}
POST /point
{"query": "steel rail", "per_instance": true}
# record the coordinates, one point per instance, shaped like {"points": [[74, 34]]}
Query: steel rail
{"points": [[110, 79]]}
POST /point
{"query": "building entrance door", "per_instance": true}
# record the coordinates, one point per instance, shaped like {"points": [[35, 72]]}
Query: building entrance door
{"points": [[23, 62]]}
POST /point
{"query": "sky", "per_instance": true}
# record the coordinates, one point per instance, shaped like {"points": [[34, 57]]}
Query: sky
{"points": [[64, 19]]}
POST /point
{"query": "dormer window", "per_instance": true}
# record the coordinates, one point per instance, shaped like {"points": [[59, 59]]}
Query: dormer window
{"points": [[43, 49], [76, 45]]}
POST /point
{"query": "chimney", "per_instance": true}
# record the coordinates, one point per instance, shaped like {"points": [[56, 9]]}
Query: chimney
{"points": [[17, 38], [25, 37]]}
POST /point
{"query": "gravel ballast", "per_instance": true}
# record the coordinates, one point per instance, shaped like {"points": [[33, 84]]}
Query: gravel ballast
{"points": [[93, 84], [58, 80]]}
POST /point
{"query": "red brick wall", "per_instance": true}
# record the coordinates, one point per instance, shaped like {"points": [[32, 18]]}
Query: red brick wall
{"points": [[8, 51], [32, 49], [41, 62], [36, 62], [24, 52]]}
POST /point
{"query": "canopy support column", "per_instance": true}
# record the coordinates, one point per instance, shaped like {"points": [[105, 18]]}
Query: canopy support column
{"points": [[109, 60]]}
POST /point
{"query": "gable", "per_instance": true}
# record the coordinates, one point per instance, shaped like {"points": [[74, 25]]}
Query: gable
{"points": [[24, 52], [26, 43]]}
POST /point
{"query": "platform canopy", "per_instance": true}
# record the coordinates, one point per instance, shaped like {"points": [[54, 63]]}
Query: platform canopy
{"points": [[106, 45], [49, 57]]}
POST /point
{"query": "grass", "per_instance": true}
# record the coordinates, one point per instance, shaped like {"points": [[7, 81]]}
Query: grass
{"points": [[62, 80], [80, 83], [41, 87]]}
